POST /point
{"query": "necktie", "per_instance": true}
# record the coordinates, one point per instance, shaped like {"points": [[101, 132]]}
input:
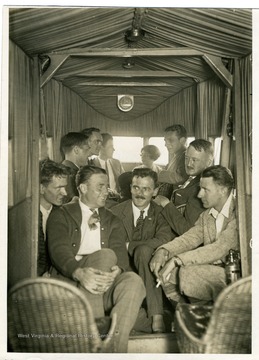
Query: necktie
{"points": [[94, 218], [139, 225], [187, 182]]}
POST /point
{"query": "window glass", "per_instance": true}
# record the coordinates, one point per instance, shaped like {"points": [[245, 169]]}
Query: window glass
{"points": [[127, 148]]}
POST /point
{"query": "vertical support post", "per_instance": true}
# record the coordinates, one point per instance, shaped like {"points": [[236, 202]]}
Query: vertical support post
{"points": [[35, 136], [240, 183], [226, 140]]}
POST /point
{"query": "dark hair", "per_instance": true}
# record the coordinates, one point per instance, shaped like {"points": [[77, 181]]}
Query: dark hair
{"points": [[178, 129], [89, 131], [220, 174], [201, 144], [152, 151], [144, 172], [70, 140], [124, 181], [85, 172], [106, 137], [49, 168]]}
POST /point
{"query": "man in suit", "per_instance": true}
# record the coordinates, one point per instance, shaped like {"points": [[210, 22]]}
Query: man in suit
{"points": [[75, 148], [87, 246], [193, 263], [185, 207], [112, 166], [53, 182], [174, 174], [94, 141], [146, 230]]}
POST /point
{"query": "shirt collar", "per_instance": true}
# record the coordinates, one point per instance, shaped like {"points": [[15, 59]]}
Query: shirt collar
{"points": [[86, 208], [45, 211], [136, 211], [225, 210]]}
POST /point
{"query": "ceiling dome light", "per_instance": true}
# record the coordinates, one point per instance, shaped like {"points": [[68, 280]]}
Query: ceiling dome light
{"points": [[134, 34]]}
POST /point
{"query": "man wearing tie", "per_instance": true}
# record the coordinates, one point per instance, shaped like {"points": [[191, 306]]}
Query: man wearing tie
{"points": [[192, 265], [87, 246], [185, 207], [146, 230]]}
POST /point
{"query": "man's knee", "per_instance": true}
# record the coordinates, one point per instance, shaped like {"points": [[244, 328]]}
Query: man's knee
{"points": [[133, 284], [102, 259], [143, 253]]}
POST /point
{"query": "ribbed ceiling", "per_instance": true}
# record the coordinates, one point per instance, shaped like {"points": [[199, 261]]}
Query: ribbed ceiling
{"points": [[98, 79]]}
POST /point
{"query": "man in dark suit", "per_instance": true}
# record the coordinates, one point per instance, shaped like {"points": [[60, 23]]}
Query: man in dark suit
{"points": [[112, 166], [174, 173], [185, 206], [75, 149], [146, 230], [87, 246], [53, 182]]}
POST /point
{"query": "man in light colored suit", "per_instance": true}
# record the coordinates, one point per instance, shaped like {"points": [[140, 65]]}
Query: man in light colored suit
{"points": [[193, 263], [112, 166]]}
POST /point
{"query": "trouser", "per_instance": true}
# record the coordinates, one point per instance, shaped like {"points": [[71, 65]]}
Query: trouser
{"points": [[142, 256], [124, 297], [200, 283]]}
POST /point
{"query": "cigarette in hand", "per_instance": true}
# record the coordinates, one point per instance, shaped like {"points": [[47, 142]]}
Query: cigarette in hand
{"points": [[158, 284]]}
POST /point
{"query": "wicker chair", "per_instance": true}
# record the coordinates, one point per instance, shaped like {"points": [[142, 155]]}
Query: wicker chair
{"points": [[49, 315], [224, 328]]}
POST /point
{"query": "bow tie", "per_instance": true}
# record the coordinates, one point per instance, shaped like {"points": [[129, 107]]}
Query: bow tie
{"points": [[94, 218]]}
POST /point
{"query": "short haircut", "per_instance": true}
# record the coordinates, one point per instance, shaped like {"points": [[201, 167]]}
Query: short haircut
{"points": [[85, 172], [144, 172], [201, 144], [178, 129], [89, 131], [49, 168], [70, 140], [106, 137], [221, 175], [152, 151]]}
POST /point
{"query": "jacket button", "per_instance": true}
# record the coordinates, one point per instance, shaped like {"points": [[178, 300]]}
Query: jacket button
{"points": [[76, 229], [102, 243], [74, 245], [102, 228]]}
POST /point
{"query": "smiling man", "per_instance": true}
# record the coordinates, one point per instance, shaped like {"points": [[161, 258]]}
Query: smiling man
{"points": [[193, 263], [146, 230], [87, 246]]}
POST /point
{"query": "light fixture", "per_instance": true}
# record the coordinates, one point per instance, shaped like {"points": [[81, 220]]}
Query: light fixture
{"points": [[128, 63], [134, 34]]}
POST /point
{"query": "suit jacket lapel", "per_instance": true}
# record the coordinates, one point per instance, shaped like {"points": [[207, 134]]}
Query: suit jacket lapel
{"points": [[128, 219]]}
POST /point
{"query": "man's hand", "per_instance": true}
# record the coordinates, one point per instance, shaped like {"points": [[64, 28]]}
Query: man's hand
{"points": [[165, 272], [161, 200], [158, 261], [94, 280]]}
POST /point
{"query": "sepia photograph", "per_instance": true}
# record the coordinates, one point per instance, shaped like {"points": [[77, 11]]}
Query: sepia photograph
{"points": [[127, 158]]}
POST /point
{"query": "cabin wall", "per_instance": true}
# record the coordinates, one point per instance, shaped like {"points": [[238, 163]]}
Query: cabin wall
{"points": [[20, 142], [64, 111]]}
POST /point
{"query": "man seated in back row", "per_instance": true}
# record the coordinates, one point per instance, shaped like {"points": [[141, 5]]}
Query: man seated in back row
{"points": [[87, 247], [192, 265], [185, 206]]}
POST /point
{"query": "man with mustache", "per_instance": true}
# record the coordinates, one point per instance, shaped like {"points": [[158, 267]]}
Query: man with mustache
{"points": [[146, 230], [192, 265], [87, 246], [185, 207]]}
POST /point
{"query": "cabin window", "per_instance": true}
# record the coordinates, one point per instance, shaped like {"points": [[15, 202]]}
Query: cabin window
{"points": [[127, 148]]}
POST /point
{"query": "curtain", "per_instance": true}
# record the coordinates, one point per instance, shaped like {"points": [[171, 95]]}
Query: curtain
{"points": [[20, 121]]}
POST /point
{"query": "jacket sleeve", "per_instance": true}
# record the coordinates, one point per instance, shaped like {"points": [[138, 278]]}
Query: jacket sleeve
{"points": [[117, 242], [180, 223], [62, 248], [173, 177], [218, 250]]}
